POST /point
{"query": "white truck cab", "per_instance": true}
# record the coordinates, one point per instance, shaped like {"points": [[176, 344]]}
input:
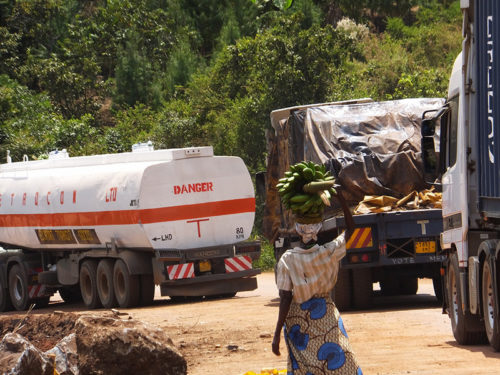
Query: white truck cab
{"points": [[465, 161]]}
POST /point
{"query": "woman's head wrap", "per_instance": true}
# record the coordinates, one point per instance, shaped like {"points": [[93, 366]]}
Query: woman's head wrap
{"points": [[308, 232]]}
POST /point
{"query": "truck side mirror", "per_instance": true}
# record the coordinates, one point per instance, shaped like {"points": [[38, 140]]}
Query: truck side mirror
{"points": [[430, 150]]}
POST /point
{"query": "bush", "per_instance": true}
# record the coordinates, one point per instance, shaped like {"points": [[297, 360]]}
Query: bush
{"points": [[266, 262]]}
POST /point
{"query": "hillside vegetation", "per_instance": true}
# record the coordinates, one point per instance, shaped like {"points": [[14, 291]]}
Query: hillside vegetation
{"points": [[96, 76]]}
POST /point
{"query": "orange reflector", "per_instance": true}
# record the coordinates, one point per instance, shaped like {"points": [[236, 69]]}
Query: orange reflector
{"points": [[361, 237]]}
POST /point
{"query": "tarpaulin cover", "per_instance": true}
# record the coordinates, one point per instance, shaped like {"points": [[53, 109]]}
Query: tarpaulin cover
{"points": [[372, 148]]}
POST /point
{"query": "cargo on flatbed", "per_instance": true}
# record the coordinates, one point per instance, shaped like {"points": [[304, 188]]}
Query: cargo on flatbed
{"points": [[373, 149]]}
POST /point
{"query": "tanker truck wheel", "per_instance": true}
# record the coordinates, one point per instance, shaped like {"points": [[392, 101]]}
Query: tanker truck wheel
{"points": [[127, 286], [18, 287], [490, 307], [5, 303], [105, 287], [88, 284]]}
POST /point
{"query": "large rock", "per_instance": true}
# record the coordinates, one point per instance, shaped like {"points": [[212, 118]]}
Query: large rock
{"points": [[113, 346], [19, 357], [65, 354]]}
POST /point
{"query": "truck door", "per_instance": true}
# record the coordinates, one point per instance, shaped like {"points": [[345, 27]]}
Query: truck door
{"points": [[453, 180]]}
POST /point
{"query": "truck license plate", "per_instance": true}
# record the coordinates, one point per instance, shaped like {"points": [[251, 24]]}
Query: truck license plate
{"points": [[205, 266], [425, 247]]}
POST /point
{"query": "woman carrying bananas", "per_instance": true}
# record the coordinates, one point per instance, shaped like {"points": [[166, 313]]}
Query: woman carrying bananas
{"points": [[314, 333]]}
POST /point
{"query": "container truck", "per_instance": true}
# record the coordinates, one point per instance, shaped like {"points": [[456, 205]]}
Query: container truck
{"points": [[461, 147], [109, 228], [371, 148]]}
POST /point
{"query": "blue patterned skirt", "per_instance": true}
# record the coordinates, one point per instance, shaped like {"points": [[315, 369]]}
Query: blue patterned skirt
{"points": [[317, 341]]}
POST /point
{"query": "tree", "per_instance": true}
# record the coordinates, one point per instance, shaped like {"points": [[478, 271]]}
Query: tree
{"points": [[30, 125], [281, 67]]}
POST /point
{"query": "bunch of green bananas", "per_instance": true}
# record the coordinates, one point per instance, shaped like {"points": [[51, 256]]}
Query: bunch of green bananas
{"points": [[306, 189]]}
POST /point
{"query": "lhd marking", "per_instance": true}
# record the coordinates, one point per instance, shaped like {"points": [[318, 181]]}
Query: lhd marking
{"points": [[163, 237]]}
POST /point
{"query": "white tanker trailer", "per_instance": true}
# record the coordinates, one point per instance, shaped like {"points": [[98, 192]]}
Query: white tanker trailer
{"points": [[109, 228]]}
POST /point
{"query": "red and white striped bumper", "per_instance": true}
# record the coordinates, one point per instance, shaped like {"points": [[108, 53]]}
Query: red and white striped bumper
{"points": [[180, 271], [239, 263], [37, 291]]}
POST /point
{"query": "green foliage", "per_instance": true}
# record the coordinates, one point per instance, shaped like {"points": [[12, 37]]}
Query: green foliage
{"points": [[133, 125], [71, 91], [267, 261], [425, 83], [175, 129], [135, 79], [182, 64], [172, 127], [30, 126]]}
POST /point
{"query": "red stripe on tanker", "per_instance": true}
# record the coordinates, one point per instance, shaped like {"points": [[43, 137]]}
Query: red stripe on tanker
{"points": [[159, 199]]}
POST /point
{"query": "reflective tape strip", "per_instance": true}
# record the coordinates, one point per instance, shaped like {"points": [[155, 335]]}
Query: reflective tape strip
{"points": [[180, 271], [236, 264], [37, 290], [360, 238]]}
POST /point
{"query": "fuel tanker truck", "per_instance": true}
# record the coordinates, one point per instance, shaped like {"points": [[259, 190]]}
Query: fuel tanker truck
{"points": [[109, 228]]}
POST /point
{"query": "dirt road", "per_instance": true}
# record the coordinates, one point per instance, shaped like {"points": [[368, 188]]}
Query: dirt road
{"points": [[406, 335]]}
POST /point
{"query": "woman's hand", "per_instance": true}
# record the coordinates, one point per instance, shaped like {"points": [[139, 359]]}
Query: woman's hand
{"points": [[285, 301], [276, 343]]}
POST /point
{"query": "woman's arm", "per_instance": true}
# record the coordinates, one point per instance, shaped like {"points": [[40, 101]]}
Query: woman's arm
{"points": [[285, 301], [349, 221]]}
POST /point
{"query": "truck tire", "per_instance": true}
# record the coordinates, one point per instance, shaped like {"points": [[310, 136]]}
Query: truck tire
{"points": [[18, 287], [466, 327], [5, 303], [408, 285], [489, 299], [127, 286], [105, 287], [362, 287], [71, 294], [341, 293], [88, 284], [147, 290]]}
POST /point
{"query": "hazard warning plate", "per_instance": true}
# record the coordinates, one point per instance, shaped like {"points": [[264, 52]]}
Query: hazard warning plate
{"points": [[425, 247]]}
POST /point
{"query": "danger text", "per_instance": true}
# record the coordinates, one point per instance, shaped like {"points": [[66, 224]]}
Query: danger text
{"points": [[193, 188]]}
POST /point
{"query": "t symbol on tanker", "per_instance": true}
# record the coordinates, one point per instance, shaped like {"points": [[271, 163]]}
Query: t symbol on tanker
{"points": [[198, 224]]}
